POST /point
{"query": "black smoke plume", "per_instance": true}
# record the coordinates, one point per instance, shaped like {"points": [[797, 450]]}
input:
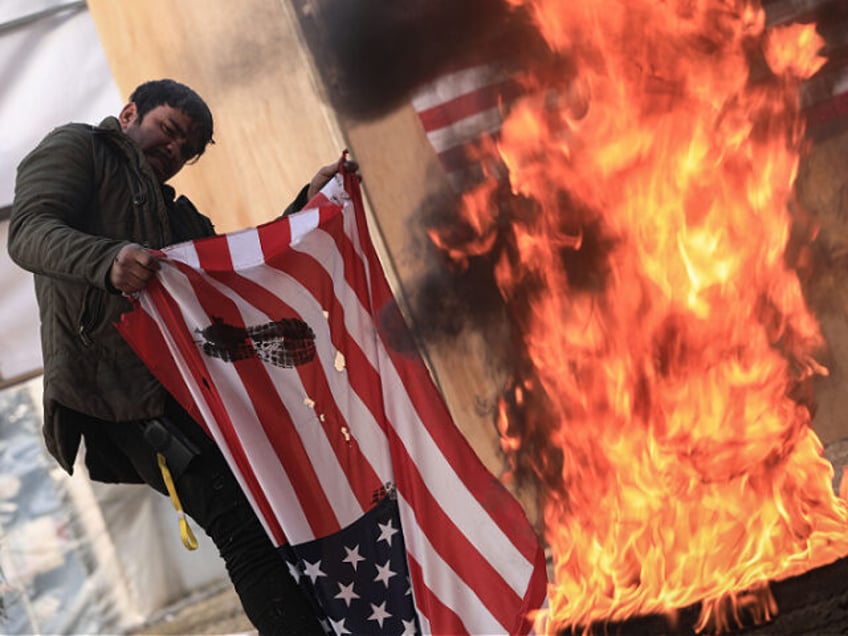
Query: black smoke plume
{"points": [[373, 54]]}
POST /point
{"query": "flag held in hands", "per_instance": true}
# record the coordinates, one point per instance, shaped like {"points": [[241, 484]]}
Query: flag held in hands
{"points": [[282, 341]]}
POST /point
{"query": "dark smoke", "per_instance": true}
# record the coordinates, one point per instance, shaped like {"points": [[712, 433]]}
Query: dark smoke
{"points": [[457, 296], [448, 298], [373, 56], [375, 53]]}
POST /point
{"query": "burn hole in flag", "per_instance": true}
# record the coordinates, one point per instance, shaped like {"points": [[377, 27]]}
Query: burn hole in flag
{"points": [[287, 343]]}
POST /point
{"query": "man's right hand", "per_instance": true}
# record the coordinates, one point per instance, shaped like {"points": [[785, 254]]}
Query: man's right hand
{"points": [[133, 268]]}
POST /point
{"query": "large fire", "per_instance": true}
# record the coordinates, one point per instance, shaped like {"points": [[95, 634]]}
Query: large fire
{"points": [[667, 341]]}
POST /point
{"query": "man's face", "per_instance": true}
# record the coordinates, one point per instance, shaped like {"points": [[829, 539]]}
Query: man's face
{"points": [[166, 136]]}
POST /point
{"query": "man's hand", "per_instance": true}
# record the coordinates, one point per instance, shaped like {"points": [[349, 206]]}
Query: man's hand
{"points": [[133, 268], [326, 173]]}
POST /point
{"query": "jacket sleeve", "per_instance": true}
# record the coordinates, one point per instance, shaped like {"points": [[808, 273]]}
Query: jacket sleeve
{"points": [[54, 191]]}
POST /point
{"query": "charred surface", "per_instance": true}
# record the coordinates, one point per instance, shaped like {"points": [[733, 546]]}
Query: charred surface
{"points": [[812, 604]]}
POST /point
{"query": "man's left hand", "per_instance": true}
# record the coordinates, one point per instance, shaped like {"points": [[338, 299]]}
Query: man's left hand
{"points": [[326, 173]]}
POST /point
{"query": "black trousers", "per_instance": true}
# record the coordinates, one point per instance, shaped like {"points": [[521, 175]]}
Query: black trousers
{"points": [[211, 496]]}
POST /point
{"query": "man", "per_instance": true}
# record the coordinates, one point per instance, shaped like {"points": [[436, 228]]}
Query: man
{"points": [[90, 204]]}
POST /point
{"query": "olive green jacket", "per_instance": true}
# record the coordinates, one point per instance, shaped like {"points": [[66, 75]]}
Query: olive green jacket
{"points": [[80, 196]]}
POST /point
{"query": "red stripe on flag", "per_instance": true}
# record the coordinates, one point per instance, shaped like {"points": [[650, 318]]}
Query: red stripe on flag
{"points": [[430, 605], [469, 563], [271, 412], [316, 280], [149, 346], [534, 597], [362, 478], [275, 238], [170, 311], [451, 111]]}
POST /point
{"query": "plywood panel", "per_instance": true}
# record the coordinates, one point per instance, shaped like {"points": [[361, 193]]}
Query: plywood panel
{"points": [[245, 58], [273, 130], [823, 195]]}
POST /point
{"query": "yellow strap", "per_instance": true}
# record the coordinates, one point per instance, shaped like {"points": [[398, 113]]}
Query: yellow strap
{"points": [[189, 541]]}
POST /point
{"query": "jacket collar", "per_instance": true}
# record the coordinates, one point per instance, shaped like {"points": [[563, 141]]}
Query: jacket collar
{"points": [[111, 126]]}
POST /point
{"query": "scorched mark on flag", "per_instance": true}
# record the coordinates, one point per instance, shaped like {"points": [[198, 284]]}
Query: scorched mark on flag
{"points": [[287, 343]]}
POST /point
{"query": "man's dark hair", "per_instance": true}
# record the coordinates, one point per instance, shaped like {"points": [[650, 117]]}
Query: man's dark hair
{"points": [[155, 93]]}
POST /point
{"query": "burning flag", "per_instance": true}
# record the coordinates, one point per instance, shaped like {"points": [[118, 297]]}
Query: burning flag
{"points": [[658, 403], [278, 339]]}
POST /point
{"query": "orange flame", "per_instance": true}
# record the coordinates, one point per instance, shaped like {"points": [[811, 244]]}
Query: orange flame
{"points": [[677, 467]]}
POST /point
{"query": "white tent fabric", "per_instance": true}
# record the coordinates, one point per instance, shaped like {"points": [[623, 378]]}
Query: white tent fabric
{"points": [[52, 70], [127, 555], [19, 342]]}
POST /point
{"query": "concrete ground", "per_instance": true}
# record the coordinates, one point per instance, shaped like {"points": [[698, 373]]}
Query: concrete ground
{"points": [[213, 611]]}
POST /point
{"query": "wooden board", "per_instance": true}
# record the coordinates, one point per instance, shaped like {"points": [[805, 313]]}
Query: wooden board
{"points": [[822, 189], [273, 129]]}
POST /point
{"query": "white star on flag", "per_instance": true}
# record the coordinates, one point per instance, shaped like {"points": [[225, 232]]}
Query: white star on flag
{"points": [[339, 627], [379, 613], [353, 556], [384, 573], [346, 593], [313, 570], [387, 531]]}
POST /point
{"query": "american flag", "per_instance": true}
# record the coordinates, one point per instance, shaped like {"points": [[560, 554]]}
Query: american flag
{"points": [[286, 343], [458, 109]]}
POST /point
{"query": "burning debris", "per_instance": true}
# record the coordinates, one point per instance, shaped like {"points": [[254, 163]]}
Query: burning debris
{"points": [[639, 252], [630, 234]]}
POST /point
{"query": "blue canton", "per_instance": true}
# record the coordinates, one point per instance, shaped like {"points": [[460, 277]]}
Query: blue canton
{"points": [[359, 576]]}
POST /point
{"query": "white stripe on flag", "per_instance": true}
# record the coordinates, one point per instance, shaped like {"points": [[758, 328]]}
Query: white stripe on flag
{"points": [[442, 580], [291, 393], [197, 395], [453, 85], [245, 249], [464, 130], [185, 253], [303, 222]]}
